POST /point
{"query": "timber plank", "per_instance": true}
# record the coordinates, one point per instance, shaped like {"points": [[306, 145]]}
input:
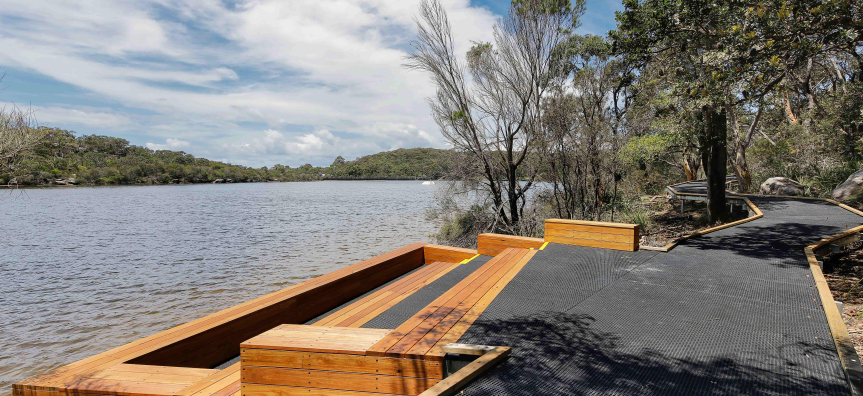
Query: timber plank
{"points": [[447, 254], [336, 380], [591, 243], [373, 314], [140, 368], [161, 378], [318, 339], [381, 348], [510, 240], [220, 385], [373, 298], [437, 270], [590, 235], [278, 390], [215, 378], [591, 223], [342, 363], [121, 388], [588, 228]]}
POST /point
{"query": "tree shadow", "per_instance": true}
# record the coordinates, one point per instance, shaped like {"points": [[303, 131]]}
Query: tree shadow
{"points": [[781, 241], [560, 353]]}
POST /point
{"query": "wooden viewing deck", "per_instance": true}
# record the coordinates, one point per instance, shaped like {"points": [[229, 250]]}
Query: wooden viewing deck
{"points": [[319, 337]]}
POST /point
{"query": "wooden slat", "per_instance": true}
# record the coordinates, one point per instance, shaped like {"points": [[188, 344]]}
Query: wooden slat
{"points": [[590, 243], [587, 228], [361, 320], [598, 236], [493, 244], [336, 380], [427, 341], [591, 223], [448, 254], [453, 383], [380, 297], [140, 368], [222, 386], [215, 378], [163, 378], [455, 333], [99, 386], [317, 339], [381, 348], [276, 390], [343, 363]]}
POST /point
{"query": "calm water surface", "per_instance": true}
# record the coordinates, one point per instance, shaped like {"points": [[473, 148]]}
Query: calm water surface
{"points": [[88, 269]]}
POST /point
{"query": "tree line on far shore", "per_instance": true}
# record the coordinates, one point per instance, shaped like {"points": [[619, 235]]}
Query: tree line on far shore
{"points": [[56, 156]]}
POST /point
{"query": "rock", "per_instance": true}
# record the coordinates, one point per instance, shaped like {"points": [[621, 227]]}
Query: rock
{"points": [[229, 180], [851, 188], [60, 182], [218, 181], [781, 186], [72, 180]]}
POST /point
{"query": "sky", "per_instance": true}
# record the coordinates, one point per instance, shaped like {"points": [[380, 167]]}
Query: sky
{"points": [[255, 83]]}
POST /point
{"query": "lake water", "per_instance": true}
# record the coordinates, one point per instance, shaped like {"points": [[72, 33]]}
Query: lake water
{"points": [[88, 269]]}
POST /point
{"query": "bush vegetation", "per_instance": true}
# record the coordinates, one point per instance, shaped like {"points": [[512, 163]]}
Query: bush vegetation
{"points": [[556, 124], [61, 157]]}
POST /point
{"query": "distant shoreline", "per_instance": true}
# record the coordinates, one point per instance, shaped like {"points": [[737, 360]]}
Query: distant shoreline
{"points": [[29, 186]]}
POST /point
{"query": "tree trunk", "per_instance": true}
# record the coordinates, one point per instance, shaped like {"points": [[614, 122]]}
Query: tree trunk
{"points": [[714, 157], [691, 163], [741, 169]]}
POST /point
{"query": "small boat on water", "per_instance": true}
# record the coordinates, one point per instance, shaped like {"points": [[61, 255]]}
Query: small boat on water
{"points": [[428, 183]]}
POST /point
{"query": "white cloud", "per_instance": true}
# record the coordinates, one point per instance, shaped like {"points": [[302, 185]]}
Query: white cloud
{"points": [[81, 116], [325, 65], [170, 144]]}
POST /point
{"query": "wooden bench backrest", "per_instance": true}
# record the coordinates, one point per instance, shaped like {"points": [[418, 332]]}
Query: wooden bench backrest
{"points": [[599, 234]]}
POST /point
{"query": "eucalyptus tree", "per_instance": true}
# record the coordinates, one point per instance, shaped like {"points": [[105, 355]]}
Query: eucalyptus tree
{"points": [[587, 120], [710, 70], [733, 53], [489, 106]]}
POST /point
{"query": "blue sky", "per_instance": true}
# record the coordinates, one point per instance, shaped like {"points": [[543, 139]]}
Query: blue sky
{"points": [[248, 82]]}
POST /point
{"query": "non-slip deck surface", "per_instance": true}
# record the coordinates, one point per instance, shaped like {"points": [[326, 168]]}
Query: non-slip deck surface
{"points": [[732, 312]]}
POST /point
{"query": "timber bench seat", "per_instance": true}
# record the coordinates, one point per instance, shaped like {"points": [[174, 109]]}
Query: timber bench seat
{"points": [[372, 305], [425, 335], [298, 359]]}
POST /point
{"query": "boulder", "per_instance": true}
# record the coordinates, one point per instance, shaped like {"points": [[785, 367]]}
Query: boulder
{"points": [[218, 181], [781, 186], [851, 188]]}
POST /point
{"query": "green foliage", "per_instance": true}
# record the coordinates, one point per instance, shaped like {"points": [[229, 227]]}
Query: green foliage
{"points": [[105, 160], [417, 163]]}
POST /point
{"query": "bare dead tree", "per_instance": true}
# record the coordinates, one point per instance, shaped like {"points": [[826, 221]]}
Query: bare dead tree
{"points": [[19, 133], [490, 106]]}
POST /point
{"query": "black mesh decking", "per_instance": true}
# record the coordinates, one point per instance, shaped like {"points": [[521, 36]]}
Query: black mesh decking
{"points": [[732, 312]]}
